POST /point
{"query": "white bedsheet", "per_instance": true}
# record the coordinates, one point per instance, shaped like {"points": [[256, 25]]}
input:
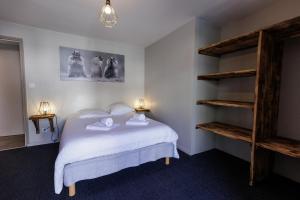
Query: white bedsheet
{"points": [[78, 144]]}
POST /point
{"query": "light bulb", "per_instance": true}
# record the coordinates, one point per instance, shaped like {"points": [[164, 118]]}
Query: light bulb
{"points": [[107, 9]]}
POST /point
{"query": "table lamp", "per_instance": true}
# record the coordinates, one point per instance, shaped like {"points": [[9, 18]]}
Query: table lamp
{"points": [[44, 107]]}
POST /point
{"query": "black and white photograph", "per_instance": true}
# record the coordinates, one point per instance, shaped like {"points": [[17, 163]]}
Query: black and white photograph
{"points": [[85, 65]]}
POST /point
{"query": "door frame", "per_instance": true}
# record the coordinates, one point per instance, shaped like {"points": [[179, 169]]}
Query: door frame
{"points": [[19, 42]]}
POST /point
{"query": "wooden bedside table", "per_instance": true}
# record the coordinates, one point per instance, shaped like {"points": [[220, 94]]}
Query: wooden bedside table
{"points": [[36, 118], [141, 110]]}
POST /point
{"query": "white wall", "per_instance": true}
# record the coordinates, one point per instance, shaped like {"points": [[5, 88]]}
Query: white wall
{"points": [[171, 82], [11, 118], [289, 112], [41, 57]]}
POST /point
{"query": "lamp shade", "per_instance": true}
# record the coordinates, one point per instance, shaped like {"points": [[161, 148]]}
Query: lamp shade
{"points": [[44, 107], [141, 103], [108, 16]]}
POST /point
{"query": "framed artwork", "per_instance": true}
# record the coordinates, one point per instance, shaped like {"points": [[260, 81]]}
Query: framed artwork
{"points": [[85, 65]]}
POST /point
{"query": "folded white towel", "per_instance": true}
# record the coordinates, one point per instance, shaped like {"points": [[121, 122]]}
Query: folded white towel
{"points": [[140, 117], [99, 126], [107, 121], [136, 122]]}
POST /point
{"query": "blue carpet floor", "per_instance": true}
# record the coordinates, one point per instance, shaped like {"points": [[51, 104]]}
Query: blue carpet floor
{"points": [[27, 173]]}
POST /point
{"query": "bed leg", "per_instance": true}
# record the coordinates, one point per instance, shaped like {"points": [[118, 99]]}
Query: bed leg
{"points": [[72, 190], [167, 160]]}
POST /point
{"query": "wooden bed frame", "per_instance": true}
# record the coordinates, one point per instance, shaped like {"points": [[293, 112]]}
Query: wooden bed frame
{"points": [[72, 188]]}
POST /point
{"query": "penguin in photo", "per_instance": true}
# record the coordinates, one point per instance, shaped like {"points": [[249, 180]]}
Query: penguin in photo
{"points": [[76, 67], [111, 68], [97, 67]]}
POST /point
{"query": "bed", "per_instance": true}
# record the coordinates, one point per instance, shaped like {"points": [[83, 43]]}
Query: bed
{"points": [[85, 154]]}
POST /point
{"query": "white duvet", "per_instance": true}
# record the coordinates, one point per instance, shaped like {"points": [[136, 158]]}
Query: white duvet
{"points": [[78, 144]]}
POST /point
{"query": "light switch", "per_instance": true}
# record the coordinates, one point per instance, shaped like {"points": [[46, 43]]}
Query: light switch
{"points": [[31, 85]]}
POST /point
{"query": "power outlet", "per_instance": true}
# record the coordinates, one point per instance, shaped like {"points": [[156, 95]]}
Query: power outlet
{"points": [[45, 130]]}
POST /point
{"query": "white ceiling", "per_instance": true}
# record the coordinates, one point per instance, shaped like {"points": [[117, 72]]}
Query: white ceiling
{"points": [[141, 22]]}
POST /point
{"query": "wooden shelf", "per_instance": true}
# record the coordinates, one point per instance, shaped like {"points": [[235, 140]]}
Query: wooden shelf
{"points": [[226, 103], [141, 110], [230, 131], [231, 45], [225, 75], [45, 116], [282, 145], [36, 118], [286, 29]]}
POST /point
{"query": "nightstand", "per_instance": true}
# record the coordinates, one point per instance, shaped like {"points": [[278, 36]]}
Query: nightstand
{"points": [[36, 118], [142, 110]]}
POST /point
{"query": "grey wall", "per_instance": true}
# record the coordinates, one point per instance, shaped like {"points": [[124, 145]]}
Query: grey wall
{"points": [[236, 89], [279, 10], [42, 74], [289, 112], [11, 118], [171, 68], [206, 34]]}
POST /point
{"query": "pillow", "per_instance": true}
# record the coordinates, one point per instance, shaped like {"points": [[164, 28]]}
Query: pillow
{"points": [[92, 113], [119, 109]]}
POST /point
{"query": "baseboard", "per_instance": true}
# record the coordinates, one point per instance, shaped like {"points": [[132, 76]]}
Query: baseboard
{"points": [[39, 143], [12, 134], [181, 148]]}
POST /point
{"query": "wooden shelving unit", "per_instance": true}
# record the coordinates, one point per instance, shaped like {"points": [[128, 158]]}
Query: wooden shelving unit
{"points": [[226, 75], [227, 103], [263, 136], [230, 131]]}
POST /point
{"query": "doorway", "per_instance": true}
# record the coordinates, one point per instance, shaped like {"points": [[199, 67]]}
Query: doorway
{"points": [[12, 95]]}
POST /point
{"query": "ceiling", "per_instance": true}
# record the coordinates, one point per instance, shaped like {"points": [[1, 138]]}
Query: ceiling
{"points": [[141, 22]]}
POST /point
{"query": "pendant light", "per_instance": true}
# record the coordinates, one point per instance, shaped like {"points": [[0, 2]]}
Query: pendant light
{"points": [[108, 15]]}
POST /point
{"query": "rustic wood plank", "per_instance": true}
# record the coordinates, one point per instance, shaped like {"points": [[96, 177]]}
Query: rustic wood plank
{"points": [[227, 103], [142, 110], [242, 42], [284, 30], [226, 130], [226, 75], [262, 165], [267, 91], [282, 145], [46, 116]]}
